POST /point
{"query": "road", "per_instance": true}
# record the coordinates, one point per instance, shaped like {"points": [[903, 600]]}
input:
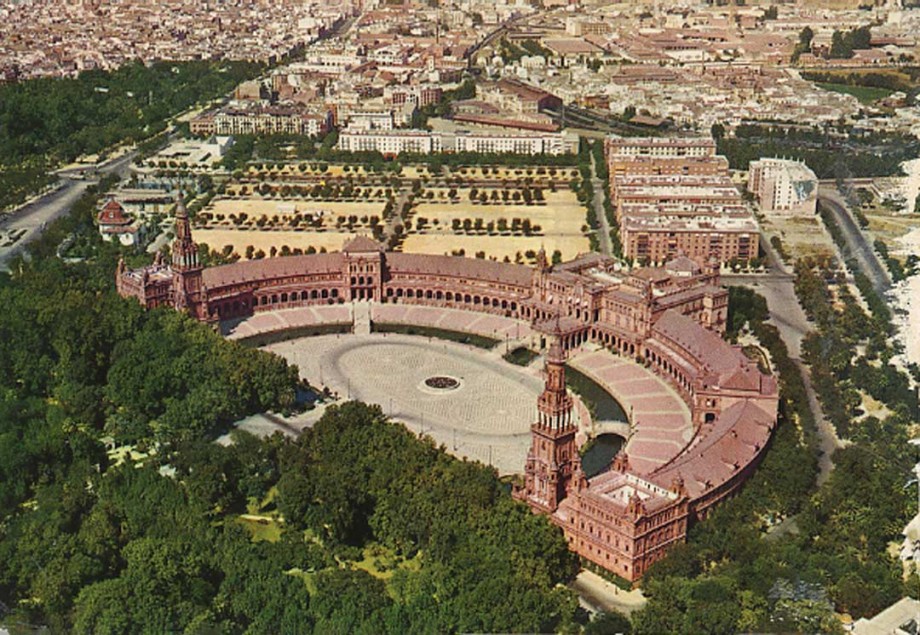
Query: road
{"points": [[778, 288], [598, 203], [858, 246], [34, 216]]}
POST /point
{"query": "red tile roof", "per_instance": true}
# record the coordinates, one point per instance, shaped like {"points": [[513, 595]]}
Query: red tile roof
{"points": [[255, 270], [113, 214], [361, 244], [460, 266], [741, 431], [714, 353]]}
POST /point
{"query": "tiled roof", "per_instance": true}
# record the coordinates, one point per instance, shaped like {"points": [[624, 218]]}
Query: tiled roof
{"points": [[460, 266], [362, 244], [215, 277], [707, 347], [113, 214], [738, 434], [682, 264]]}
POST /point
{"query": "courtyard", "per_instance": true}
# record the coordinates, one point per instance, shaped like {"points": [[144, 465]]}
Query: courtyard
{"points": [[483, 412]]}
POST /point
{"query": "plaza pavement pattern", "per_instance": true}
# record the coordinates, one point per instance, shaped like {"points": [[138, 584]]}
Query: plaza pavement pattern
{"points": [[486, 324], [488, 417], [659, 419]]}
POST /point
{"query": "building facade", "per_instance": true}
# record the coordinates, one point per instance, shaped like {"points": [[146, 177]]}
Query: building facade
{"points": [[392, 142], [668, 318], [784, 187], [261, 120], [675, 196]]}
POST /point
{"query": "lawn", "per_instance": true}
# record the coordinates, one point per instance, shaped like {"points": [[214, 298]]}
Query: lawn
{"points": [[381, 562], [261, 527], [865, 94]]}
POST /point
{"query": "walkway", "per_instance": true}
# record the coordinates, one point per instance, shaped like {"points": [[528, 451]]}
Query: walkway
{"points": [[660, 420], [509, 330], [598, 203], [486, 324], [857, 245], [362, 318], [787, 315], [596, 594], [487, 417], [287, 319]]}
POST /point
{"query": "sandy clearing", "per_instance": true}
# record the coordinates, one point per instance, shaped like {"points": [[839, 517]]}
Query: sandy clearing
{"points": [[265, 240], [495, 246], [256, 207]]}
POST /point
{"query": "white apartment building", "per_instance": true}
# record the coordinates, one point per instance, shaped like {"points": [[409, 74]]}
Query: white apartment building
{"points": [[783, 186], [270, 120], [390, 142], [420, 141]]}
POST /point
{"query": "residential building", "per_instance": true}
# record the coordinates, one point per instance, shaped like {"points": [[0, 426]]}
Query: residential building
{"points": [[783, 187]]}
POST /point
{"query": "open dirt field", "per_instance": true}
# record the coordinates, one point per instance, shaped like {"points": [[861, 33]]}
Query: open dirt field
{"points": [[560, 220], [265, 240], [894, 228], [801, 236], [561, 214], [496, 247], [331, 170], [256, 207], [514, 173]]}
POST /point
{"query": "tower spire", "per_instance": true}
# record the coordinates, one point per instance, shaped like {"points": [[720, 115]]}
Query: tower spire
{"points": [[553, 466], [555, 403], [184, 249]]}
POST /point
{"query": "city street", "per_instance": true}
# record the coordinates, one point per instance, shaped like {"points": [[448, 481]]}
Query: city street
{"points": [[786, 314], [35, 216], [858, 245]]}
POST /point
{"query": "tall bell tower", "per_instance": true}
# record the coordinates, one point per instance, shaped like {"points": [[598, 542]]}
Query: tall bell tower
{"points": [[553, 459], [188, 290]]}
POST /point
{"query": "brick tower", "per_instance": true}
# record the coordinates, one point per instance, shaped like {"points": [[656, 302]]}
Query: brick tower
{"points": [[553, 459], [188, 292]]}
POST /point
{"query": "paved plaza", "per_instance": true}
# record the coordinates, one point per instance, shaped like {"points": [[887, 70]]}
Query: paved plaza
{"points": [[660, 420], [486, 417], [485, 324]]}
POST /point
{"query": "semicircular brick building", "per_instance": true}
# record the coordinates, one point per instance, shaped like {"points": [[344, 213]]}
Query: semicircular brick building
{"points": [[669, 318]]}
